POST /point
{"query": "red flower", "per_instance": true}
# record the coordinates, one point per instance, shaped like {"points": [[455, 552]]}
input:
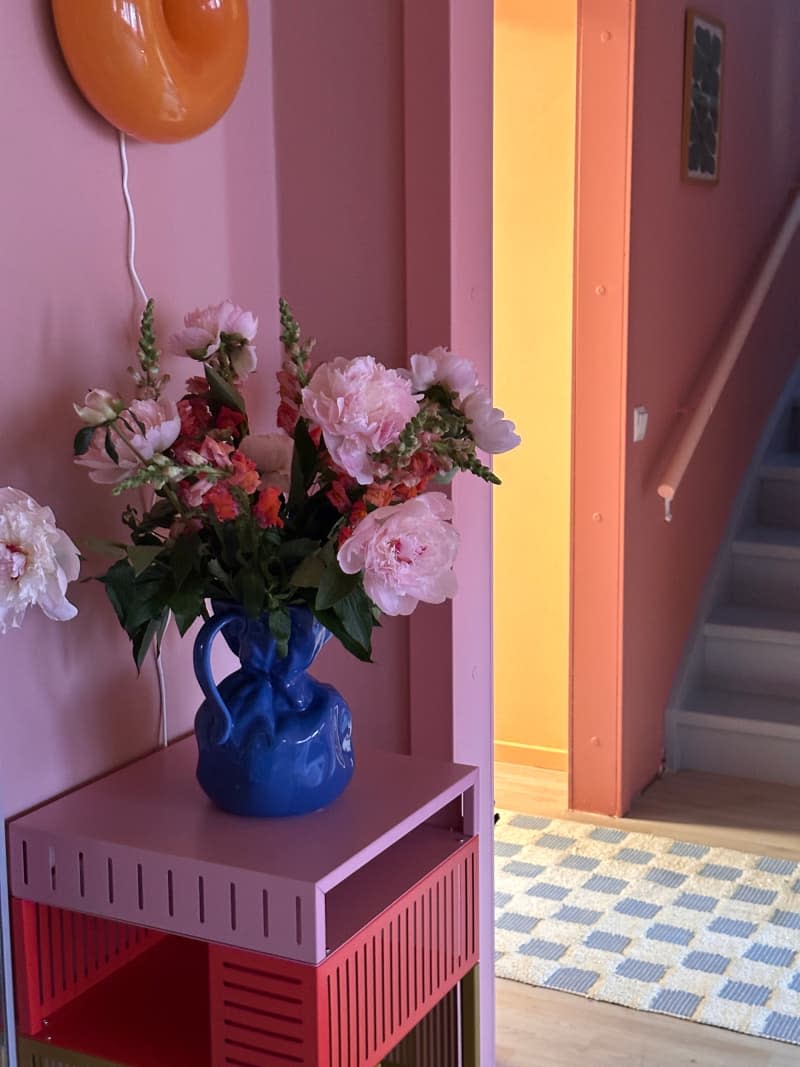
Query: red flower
{"points": [[228, 419], [245, 473], [195, 416], [219, 498], [288, 414], [338, 493], [267, 508], [198, 386]]}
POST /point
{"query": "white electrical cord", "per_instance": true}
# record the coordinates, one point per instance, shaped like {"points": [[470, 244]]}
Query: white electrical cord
{"points": [[163, 730]]}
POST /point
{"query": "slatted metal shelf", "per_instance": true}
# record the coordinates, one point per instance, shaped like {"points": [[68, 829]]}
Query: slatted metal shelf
{"points": [[144, 846]]}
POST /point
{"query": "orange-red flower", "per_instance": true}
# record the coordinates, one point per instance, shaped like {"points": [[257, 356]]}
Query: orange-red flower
{"points": [[267, 508], [245, 473], [220, 499]]}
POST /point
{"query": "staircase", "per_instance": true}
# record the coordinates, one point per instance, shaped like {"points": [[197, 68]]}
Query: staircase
{"points": [[736, 706]]}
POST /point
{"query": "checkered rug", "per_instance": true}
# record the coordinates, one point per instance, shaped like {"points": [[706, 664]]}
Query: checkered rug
{"points": [[700, 933]]}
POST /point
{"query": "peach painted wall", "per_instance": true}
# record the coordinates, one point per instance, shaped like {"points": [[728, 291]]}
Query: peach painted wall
{"points": [[692, 250], [534, 190]]}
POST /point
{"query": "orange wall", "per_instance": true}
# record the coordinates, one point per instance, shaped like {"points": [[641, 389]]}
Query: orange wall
{"points": [[534, 159]]}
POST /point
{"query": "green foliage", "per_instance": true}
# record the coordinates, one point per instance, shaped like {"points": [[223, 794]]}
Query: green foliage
{"points": [[83, 440]]}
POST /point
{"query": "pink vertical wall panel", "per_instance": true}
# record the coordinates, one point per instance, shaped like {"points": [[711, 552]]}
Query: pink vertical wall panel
{"points": [[448, 58], [338, 72]]}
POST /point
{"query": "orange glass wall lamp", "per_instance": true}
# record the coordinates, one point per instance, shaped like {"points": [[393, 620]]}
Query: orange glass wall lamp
{"points": [[159, 70]]}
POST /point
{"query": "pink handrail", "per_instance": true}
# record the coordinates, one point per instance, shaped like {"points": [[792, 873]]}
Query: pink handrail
{"points": [[703, 403]]}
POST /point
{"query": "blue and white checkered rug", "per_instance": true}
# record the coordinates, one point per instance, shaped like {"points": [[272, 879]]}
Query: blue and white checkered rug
{"points": [[700, 933]]}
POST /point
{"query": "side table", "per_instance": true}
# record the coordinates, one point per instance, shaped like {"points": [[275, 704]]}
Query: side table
{"points": [[152, 930]]}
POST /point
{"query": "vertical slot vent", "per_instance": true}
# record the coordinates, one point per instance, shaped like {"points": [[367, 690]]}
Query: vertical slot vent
{"points": [[201, 899], [140, 886], [170, 895], [233, 906], [110, 864], [81, 875], [25, 862], [298, 919], [265, 910]]}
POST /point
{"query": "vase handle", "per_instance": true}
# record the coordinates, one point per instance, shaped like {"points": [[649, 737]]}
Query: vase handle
{"points": [[202, 667]]}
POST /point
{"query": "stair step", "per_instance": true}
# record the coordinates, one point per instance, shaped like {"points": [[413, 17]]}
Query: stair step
{"points": [[784, 466], [754, 623], [765, 569], [752, 649], [760, 709], [776, 542], [764, 749], [779, 491]]}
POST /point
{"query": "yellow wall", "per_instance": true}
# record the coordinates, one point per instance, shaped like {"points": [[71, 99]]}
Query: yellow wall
{"points": [[534, 156]]}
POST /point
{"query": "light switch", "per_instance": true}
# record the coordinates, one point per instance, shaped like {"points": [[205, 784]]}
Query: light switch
{"points": [[639, 424]]}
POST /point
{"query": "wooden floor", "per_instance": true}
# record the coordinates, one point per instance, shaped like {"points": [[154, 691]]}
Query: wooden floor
{"points": [[544, 1028]]}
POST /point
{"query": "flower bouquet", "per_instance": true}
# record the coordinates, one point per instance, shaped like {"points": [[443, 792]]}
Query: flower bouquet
{"points": [[318, 528]]}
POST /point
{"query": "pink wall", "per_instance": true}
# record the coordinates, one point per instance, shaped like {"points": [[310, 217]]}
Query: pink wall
{"points": [[207, 218], [339, 150], [72, 705], [692, 249]]}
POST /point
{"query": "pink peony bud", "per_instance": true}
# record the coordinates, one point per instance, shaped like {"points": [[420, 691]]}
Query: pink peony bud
{"points": [[99, 406]]}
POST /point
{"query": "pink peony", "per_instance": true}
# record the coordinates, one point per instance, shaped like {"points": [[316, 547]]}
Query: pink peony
{"points": [[162, 425], [37, 561], [444, 367], [492, 432], [200, 337], [406, 552], [361, 407]]}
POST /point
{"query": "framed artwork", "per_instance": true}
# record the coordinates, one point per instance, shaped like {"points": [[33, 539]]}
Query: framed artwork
{"points": [[702, 97]]}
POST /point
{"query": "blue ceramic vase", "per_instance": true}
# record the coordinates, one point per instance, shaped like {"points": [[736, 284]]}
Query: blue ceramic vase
{"points": [[272, 740]]}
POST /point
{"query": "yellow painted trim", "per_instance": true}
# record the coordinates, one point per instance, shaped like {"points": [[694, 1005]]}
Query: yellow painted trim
{"points": [[549, 759]]}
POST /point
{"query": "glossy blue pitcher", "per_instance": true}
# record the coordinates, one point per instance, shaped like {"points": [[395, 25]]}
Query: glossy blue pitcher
{"points": [[272, 740]]}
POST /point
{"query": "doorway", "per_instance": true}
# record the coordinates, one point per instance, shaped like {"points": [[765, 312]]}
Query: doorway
{"points": [[534, 196]]}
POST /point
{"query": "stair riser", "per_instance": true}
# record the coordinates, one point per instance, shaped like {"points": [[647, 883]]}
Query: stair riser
{"points": [[779, 503], [752, 666], [743, 755], [763, 581]]}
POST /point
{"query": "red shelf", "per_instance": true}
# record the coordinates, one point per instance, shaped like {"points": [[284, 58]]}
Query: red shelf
{"points": [[151, 1013]]}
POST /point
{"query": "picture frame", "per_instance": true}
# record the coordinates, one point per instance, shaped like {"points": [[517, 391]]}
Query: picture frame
{"points": [[704, 53]]}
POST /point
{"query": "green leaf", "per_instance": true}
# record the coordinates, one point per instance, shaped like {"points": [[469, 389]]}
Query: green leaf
{"points": [[119, 581], [334, 586], [355, 614], [83, 440], [141, 556], [105, 548], [280, 626], [304, 465], [185, 554], [144, 638], [111, 451], [309, 574], [253, 591], [223, 392], [330, 619]]}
